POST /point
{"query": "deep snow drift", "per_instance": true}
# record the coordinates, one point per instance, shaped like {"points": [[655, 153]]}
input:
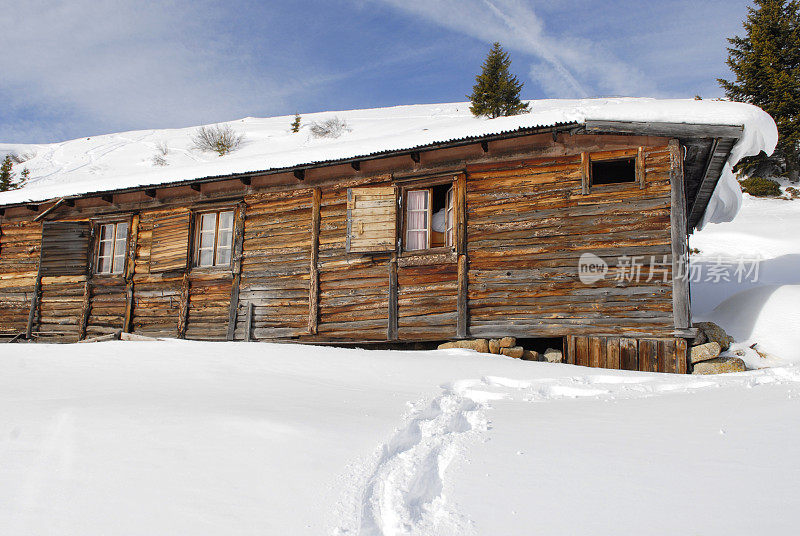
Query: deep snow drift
{"points": [[185, 438], [114, 161]]}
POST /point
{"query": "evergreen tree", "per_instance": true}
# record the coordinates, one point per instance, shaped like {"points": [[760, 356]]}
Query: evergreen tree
{"points": [[496, 90], [766, 66], [7, 175], [296, 123]]}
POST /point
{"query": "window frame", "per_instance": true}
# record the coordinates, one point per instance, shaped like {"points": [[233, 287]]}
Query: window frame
{"points": [[429, 185], [197, 218], [633, 153], [98, 240]]}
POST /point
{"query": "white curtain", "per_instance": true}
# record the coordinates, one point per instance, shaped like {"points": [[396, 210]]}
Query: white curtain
{"points": [[417, 220]]}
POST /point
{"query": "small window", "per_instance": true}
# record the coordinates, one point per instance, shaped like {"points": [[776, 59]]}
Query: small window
{"points": [[614, 171], [214, 239], [429, 218], [111, 248]]}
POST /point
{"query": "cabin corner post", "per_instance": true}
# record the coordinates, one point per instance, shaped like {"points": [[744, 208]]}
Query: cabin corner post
{"points": [[462, 320], [313, 284], [37, 293], [86, 305], [130, 270], [678, 230], [238, 249]]}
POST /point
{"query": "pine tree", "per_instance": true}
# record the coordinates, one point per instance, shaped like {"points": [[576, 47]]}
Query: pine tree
{"points": [[296, 123], [766, 66], [496, 90], [7, 175]]}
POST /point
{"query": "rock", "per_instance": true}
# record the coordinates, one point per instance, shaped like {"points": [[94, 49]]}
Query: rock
{"points": [[494, 346], [715, 334], [530, 355], [479, 345], [720, 365], [551, 355], [514, 351], [704, 352], [507, 342], [700, 339]]}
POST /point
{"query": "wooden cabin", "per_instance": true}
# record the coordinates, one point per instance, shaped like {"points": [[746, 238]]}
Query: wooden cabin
{"points": [[472, 237]]}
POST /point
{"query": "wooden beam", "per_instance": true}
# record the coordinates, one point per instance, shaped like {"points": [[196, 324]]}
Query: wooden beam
{"points": [[130, 269], [586, 172], [238, 247], [356, 165], [640, 168], [392, 329], [681, 308], [313, 287], [415, 157], [183, 311], [248, 323], [44, 213], [86, 307], [35, 299], [462, 319], [668, 130], [300, 174]]}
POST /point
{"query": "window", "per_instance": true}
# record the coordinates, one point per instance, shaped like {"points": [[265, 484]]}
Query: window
{"points": [[111, 247], [214, 238], [429, 218], [614, 171]]}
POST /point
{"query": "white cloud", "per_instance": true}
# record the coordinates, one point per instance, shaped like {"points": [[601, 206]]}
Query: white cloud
{"points": [[567, 66]]}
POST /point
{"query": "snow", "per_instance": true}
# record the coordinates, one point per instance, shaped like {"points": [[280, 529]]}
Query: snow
{"points": [[177, 437], [125, 160], [764, 312]]}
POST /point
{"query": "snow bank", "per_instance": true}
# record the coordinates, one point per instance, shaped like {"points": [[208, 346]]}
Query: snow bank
{"points": [[125, 160], [186, 438]]}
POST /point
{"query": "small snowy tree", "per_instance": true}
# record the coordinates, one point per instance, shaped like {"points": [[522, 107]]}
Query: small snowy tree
{"points": [[496, 90], [296, 123], [7, 175]]}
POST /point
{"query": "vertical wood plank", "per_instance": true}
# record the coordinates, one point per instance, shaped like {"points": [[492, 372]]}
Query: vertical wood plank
{"points": [[391, 333], [648, 355], [86, 307], [238, 249], [681, 366], [248, 323], [37, 293], [183, 312], [462, 321], [585, 172], [667, 356], [595, 351], [628, 354], [570, 349], [130, 269], [313, 286], [678, 230], [612, 353], [582, 351], [640, 168], [462, 303]]}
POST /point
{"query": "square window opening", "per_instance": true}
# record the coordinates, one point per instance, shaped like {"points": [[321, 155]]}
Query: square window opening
{"points": [[112, 243], [614, 171], [430, 218], [214, 239]]}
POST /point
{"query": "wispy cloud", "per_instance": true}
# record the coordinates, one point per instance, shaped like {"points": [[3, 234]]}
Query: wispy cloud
{"points": [[565, 66]]}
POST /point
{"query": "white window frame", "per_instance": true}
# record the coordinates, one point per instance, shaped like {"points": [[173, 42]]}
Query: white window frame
{"points": [[449, 238], [216, 248], [117, 249]]}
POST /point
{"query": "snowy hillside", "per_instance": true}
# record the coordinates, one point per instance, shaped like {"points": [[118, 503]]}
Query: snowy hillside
{"points": [[124, 160], [185, 438]]}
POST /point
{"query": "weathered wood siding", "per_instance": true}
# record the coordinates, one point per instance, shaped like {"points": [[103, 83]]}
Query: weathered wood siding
{"points": [[276, 265], [354, 288], [20, 244], [427, 301], [646, 355], [528, 223]]}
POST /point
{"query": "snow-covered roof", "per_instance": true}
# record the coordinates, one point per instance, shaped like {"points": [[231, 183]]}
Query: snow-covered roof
{"points": [[125, 160]]}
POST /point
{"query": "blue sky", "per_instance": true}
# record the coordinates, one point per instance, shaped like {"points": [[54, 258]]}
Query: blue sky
{"points": [[84, 67]]}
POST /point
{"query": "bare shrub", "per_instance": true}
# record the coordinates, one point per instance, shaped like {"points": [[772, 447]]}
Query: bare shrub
{"points": [[221, 139], [159, 160], [20, 158], [162, 148], [330, 128]]}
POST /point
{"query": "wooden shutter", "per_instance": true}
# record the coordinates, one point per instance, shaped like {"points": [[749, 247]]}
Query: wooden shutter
{"points": [[170, 249], [65, 248], [371, 219]]}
